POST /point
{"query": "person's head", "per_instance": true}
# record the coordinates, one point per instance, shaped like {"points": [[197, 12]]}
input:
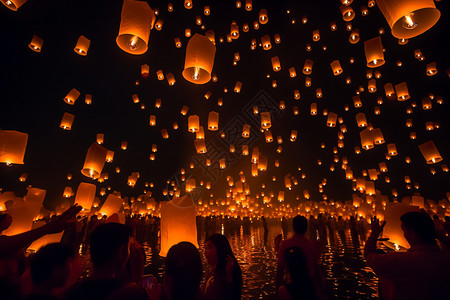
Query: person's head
{"points": [[418, 227], [110, 245], [183, 271], [299, 224], [5, 221], [51, 265]]}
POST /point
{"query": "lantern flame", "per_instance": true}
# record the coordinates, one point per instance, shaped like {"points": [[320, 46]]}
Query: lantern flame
{"points": [[409, 23], [196, 74], [133, 42]]}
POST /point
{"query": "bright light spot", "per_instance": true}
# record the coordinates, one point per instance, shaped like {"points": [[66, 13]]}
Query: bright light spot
{"points": [[133, 42]]}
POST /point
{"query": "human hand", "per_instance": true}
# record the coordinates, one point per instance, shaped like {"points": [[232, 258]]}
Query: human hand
{"points": [[376, 227], [64, 220]]}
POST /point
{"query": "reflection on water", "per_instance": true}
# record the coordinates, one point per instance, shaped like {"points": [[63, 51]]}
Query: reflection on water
{"points": [[342, 264]]}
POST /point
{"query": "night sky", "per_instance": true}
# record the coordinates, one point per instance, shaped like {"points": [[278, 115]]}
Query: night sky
{"points": [[33, 86]]}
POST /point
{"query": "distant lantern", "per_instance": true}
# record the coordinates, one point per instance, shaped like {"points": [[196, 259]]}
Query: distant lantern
{"points": [[237, 87], [207, 10], [164, 134], [276, 66], [336, 67], [409, 18], [431, 69], [374, 52], [293, 135], [36, 43], [160, 75], [124, 145], [200, 146], [88, 99], [313, 109], [23, 177], [188, 4], [296, 94], [245, 27], [245, 150], [158, 25], [152, 120], [82, 45], [268, 136], [213, 121], [13, 4], [392, 149], [277, 38], [145, 71], [347, 13], [72, 96], [372, 86], [333, 26], [366, 139], [94, 162], [308, 81], [246, 131], [263, 19], [12, 146], [222, 163], [307, 67], [234, 30], [376, 110], [389, 90], [361, 120], [430, 152], [357, 101], [402, 92], [262, 163], [170, 78], [184, 110], [193, 123], [266, 122], [319, 93], [109, 156], [331, 120], [67, 120], [248, 5], [210, 35], [377, 136], [85, 196], [316, 35], [265, 41], [136, 21], [292, 72]]}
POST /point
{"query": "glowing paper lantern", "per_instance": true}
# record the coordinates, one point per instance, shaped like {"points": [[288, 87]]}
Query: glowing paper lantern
{"points": [[336, 67], [331, 120], [377, 136], [136, 21], [82, 45], [392, 229], [366, 139], [361, 120], [85, 195], [67, 120], [402, 92], [431, 69], [347, 13], [307, 67], [111, 206], [12, 146], [430, 152], [276, 66], [409, 18], [199, 60], [72, 96], [36, 43], [145, 71], [263, 19], [392, 149], [374, 52], [94, 162], [213, 121], [193, 123], [246, 131], [265, 120], [200, 146], [13, 4], [178, 223]]}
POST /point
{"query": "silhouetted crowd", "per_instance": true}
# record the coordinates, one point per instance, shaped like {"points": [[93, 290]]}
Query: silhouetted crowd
{"points": [[118, 258]]}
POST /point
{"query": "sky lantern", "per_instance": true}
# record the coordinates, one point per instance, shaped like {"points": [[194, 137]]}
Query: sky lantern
{"points": [[178, 223], [237, 87], [426, 103], [188, 4], [374, 52], [193, 123], [265, 120], [392, 149], [68, 192], [246, 131], [111, 206], [336, 67], [67, 120], [268, 136], [170, 78], [36, 43], [361, 120], [402, 92], [13, 4], [331, 120], [248, 5], [431, 69], [109, 156], [366, 139], [136, 21], [347, 13], [12, 146], [82, 45], [430, 152], [409, 18], [88, 99], [124, 145], [199, 60], [276, 66], [132, 179], [316, 35], [313, 109], [72, 96], [357, 101], [222, 163], [377, 136], [244, 149], [200, 146], [145, 71], [307, 67], [263, 18], [293, 137], [94, 162], [292, 72], [392, 229], [389, 90], [255, 155], [265, 41], [158, 25], [262, 163], [100, 138], [200, 134], [213, 121], [23, 177]]}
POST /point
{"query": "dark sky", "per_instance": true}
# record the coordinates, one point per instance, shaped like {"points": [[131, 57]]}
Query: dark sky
{"points": [[33, 86]]}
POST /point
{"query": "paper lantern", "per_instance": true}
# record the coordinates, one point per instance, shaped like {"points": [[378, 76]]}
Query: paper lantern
{"points": [[262, 163], [170, 79], [431, 69], [111, 206], [12, 146], [389, 90], [237, 87], [276, 66], [308, 81], [100, 138], [316, 35], [366, 139], [248, 5], [246, 131], [430, 152], [361, 120], [336, 67], [409, 18], [94, 161], [377, 136], [319, 93], [392, 149], [265, 120], [307, 67], [347, 13], [188, 4], [145, 71], [331, 120], [372, 86], [374, 52], [265, 41], [293, 137], [72, 96], [178, 223], [255, 155], [263, 19], [402, 92], [158, 25], [199, 60], [36, 43], [313, 109], [13, 4], [137, 19], [193, 123], [109, 156], [244, 149], [200, 146], [426, 103], [82, 45], [222, 163], [23, 177], [67, 120], [200, 134], [213, 121]]}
